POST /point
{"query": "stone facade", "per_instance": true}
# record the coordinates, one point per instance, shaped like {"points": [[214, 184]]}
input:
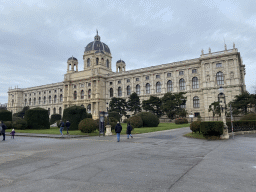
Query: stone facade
{"points": [[94, 86]]}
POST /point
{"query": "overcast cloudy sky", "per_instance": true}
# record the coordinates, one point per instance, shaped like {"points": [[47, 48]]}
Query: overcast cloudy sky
{"points": [[38, 36]]}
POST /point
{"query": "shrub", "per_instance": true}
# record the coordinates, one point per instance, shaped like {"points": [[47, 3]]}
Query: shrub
{"points": [[54, 118], [149, 119], [89, 115], [74, 114], [87, 125], [19, 123], [37, 118], [5, 115], [211, 128], [250, 116], [58, 123], [125, 120], [195, 126], [135, 121], [112, 122], [181, 121], [8, 124]]}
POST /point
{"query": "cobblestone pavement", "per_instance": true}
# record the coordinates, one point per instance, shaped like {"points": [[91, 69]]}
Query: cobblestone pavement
{"points": [[161, 161]]}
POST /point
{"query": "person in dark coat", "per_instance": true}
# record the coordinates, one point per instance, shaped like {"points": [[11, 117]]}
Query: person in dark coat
{"points": [[3, 130], [129, 130], [118, 129], [62, 125], [67, 125]]}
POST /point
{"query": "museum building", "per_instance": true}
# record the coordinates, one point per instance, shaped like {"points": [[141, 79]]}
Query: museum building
{"points": [[96, 84]]}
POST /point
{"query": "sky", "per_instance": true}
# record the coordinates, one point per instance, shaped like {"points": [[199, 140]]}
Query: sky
{"points": [[38, 36]]}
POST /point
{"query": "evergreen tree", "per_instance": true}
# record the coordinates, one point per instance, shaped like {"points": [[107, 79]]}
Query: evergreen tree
{"points": [[171, 104], [153, 104], [118, 105], [133, 103], [215, 108]]}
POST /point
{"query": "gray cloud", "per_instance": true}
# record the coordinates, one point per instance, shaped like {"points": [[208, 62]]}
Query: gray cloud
{"points": [[37, 37]]}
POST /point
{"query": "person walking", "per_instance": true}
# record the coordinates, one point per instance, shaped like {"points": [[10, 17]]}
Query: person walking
{"points": [[3, 130], [118, 129], [12, 133], [129, 130], [67, 125], [61, 127]]}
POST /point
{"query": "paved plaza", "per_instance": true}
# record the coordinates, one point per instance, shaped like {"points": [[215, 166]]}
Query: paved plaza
{"points": [[161, 161]]}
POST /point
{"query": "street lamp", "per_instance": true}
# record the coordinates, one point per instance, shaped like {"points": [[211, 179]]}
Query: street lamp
{"points": [[107, 113], [222, 101]]}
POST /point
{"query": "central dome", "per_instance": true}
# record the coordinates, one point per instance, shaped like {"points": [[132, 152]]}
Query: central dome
{"points": [[97, 45]]}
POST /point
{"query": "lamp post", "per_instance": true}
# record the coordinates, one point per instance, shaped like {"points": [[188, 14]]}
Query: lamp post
{"points": [[222, 101]]}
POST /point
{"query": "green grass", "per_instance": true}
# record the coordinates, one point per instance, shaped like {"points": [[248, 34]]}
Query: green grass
{"points": [[55, 130], [195, 135]]}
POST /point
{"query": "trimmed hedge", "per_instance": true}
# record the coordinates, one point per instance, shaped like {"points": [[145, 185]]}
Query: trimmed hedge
{"points": [[135, 121], [211, 128], [74, 114], [89, 115], [181, 121], [55, 118], [149, 119], [242, 125], [195, 126], [87, 125], [19, 123], [5, 115], [37, 118]]}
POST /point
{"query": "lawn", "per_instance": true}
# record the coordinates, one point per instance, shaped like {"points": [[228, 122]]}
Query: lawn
{"points": [[195, 135], [55, 130]]}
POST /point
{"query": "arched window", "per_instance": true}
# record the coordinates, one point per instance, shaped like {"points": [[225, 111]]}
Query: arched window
{"points": [[54, 110], [61, 98], [169, 86], [107, 63], [128, 90], [50, 98], [89, 108], [82, 94], [147, 88], [29, 101], [25, 102], [182, 84], [97, 61], [39, 100], [111, 92], [75, 95], [220, 78], [102, 60], [119, 91], [55, 98], [88, 62], [158, 87], [60, 111], [196, 102], [89, 93], [195, 84], [34, 101], [44, 99], [138, 89]]}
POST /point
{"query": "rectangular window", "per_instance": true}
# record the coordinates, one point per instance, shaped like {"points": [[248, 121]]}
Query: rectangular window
{"points": [[74, 86], [60, 90], [157, 76], [49, 91], [39, 93], [128, 80], [89, 84], [137, 79], [181, 73], [219, 65], [81, 85], [119, 82], [55, 91], [147, 77], [110, 83], [194, 71], [169, 74]]}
